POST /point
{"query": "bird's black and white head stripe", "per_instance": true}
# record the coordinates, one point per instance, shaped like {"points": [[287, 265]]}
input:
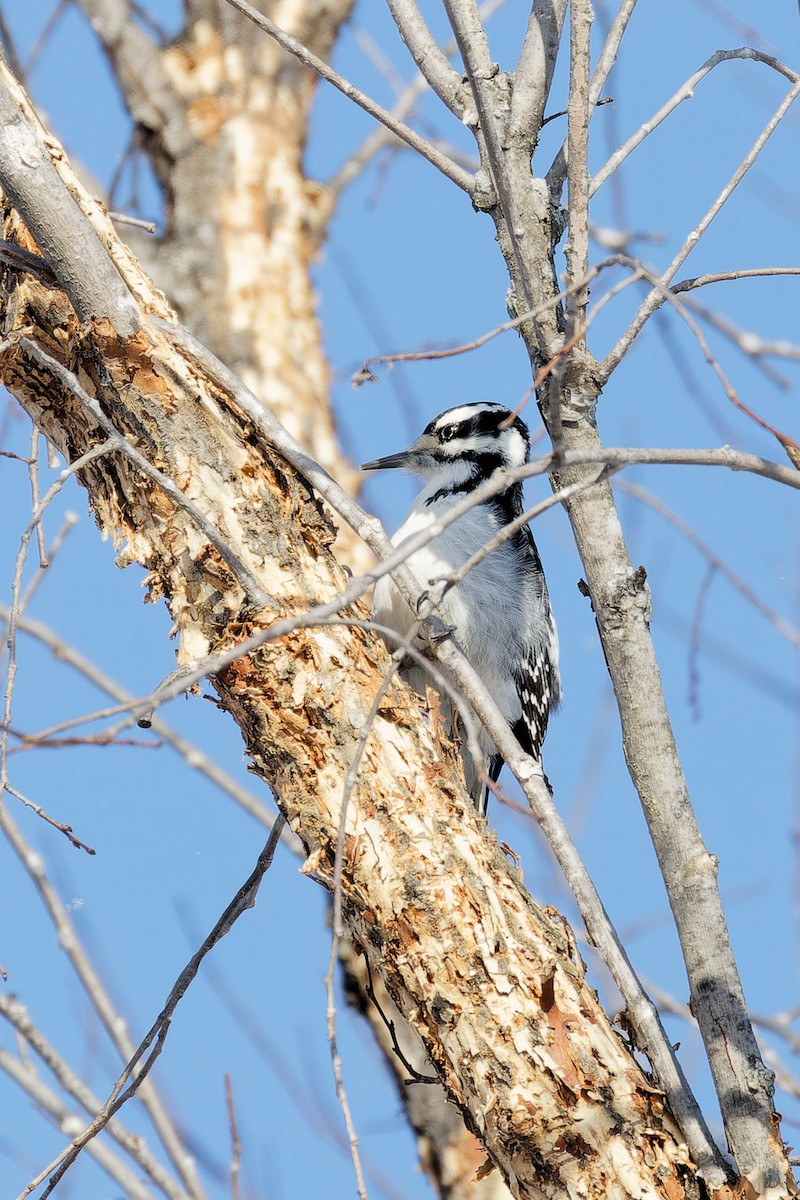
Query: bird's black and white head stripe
{"points": [[463, 447]]}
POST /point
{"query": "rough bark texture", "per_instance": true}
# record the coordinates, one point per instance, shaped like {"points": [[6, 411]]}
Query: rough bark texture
{"points": [[485, 977], [452, 1157]]}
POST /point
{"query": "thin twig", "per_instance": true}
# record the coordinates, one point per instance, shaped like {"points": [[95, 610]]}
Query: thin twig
{"points": [[790, 445], [33, 476], [61, 826], [70, 520], [17, 1016], [391, 1029], [694, 640], [338, 924], [128, 1182], [656, 296], [98, 997], [687, 285], [236, 1145], [365, 374], [779, 623], [509, 530], [137, 222], [16, 591], [193, 756], [138, 1067], [751, 344], [56, 13], [685, 92]]}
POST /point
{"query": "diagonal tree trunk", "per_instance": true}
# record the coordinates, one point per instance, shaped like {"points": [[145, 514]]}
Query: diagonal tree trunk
{"points": [[222, 115]]}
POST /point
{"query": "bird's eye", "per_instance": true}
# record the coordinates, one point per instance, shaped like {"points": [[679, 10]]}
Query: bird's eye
{"points": [[448, 433]]}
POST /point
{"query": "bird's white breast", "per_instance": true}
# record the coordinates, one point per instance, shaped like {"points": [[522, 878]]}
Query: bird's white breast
{"points": [[490, 597]]}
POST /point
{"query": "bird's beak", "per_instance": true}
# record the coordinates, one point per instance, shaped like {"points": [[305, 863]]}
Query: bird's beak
{"points": [[385, 464], [408, 459]]}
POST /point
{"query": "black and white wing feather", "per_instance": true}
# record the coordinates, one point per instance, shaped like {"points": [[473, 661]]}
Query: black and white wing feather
{"points": [[538, 683]]}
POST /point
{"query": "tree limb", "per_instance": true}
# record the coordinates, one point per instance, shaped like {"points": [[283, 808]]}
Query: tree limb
{"points": [[29, 178], [536, 66], [430, 60]]}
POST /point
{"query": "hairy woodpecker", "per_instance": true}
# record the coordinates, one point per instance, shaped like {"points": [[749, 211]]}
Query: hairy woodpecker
{"points": [[500, 611]]}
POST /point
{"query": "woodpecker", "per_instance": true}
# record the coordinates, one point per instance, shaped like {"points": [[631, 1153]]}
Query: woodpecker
{"points": [[500, 611]]}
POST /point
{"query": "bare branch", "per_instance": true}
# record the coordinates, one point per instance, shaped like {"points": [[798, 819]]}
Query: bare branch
{"points": [[79, 464], [69, 244], [48, 29], [685, 92], [579, 113], [789, 444], [608, 56], [236, 1145], [136, 222], [533, 76], [136, 1069], [17, 1016], [688, 285], [338, 922], [431, 61], [365, 375], [111, 1020], [656, 297], [193, 756], [47, 1101], [61, 826]]}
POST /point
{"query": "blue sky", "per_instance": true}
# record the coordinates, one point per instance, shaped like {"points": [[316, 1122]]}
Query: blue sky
{"points": [[410, 265]]}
